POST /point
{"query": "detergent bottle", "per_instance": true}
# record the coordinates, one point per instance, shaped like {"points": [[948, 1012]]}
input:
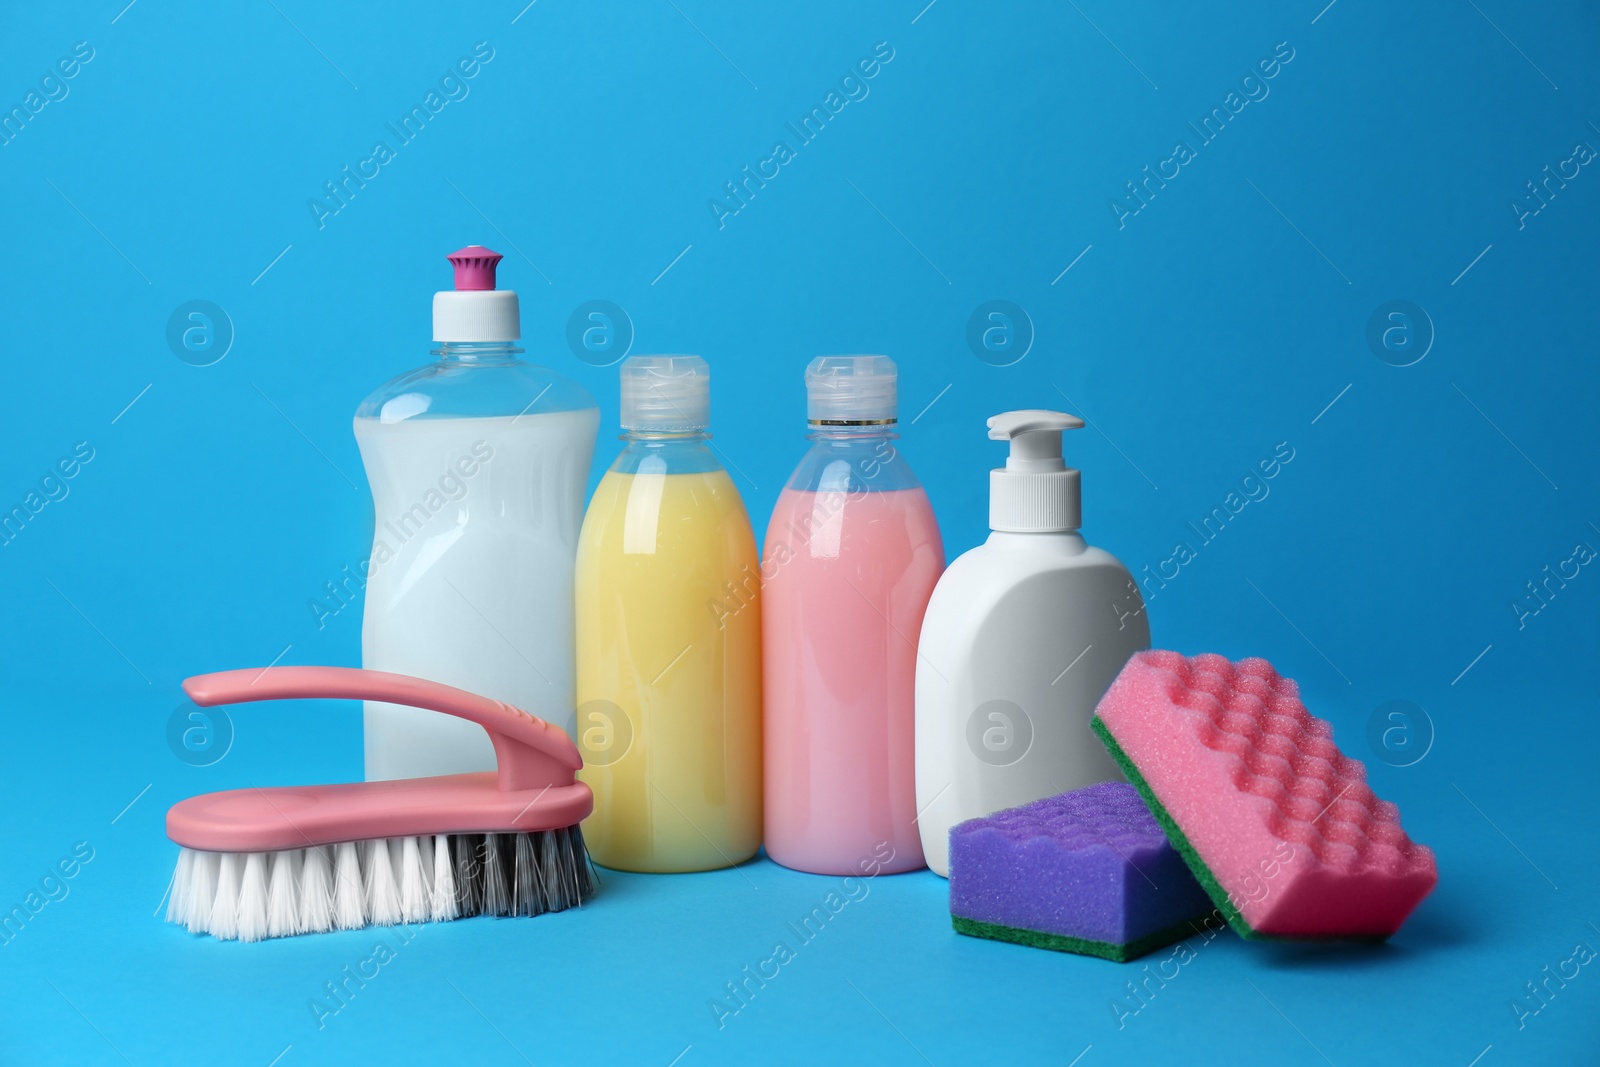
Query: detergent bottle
{"points": [[669, 639], [477, 463], [851, 557]]}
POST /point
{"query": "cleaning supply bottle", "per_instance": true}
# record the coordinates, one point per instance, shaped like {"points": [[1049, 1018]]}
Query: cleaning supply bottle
{"points": [[852, 555], [669, 639], [477, 463], [1023, 636]]}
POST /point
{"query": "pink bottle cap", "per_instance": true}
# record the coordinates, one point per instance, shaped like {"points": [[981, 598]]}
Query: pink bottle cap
{"points": [[474, 267]]}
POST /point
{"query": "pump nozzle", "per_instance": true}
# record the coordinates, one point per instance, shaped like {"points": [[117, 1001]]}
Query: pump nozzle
{"points": [[1035, 436], [1035, 492]]}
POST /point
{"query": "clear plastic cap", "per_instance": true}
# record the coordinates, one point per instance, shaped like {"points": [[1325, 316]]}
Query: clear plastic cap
{"points": [[851, 391], [666, 394]]}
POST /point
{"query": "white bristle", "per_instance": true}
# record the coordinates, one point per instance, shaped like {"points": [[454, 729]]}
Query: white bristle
{"points": [[425, 853], [178, 892], [413, 882], [252, 909], [225, 907], [283, 893], [382, 890], [442, 905], [203, 870], [316, 891], [349, 900]]}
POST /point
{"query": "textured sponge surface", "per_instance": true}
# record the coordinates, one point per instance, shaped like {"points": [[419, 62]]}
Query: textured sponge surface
{"points": [[1090, 866], [1277, 823]]}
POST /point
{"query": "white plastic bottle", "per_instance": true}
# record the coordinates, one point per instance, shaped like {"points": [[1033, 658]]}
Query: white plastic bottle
{"points": [[477, 463], [1021, 639]]}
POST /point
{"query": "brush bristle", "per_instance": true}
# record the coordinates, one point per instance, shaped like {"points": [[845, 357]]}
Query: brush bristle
{"points": [[182, 879], [316, 891], [382, 894], [442, 904], [283, 896], [349, 900], [413, 881], [253, 895], [251, 911], [200, 891], [224, 922]]}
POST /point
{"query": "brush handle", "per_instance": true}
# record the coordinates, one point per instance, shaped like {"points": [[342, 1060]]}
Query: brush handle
{"points": [[530, 752]]}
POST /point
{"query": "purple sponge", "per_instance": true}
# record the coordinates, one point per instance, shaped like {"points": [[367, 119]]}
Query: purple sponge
{"points": [[1088, 871]]}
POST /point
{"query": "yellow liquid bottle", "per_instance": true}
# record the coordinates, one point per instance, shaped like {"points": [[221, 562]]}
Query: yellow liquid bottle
{"points": [[669, 640]]}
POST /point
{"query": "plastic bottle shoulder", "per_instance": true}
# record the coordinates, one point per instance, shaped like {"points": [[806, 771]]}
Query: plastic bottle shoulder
{"points": [[853, 464], [983, 576], [686, 454], [448, 388]]}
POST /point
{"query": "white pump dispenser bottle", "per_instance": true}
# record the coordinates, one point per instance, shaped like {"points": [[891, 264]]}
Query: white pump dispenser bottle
{"points": [[1021, 639]]}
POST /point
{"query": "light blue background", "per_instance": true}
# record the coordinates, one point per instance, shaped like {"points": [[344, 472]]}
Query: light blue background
{"points": [[1225, 317]]}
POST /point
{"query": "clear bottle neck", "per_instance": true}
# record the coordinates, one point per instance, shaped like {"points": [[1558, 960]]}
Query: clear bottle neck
{"points": [[477, 353], [656, 451], [664, 437], [827, 434], [852, 457]]}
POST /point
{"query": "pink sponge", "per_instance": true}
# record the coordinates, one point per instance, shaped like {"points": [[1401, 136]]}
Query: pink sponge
{"points": [[1276, 823]]}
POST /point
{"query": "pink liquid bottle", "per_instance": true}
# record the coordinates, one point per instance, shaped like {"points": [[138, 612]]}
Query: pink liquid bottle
{"points": [[851, 558]]}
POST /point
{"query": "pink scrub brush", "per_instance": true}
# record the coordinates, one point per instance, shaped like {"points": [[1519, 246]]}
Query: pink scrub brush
{"points": [[259, 863]]}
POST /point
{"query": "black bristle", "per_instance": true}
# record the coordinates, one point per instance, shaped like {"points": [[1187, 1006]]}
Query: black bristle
{"points": [[521, 873], [585, 879], [526, 898], [508, 869], [496, 894], [466, 850]]}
